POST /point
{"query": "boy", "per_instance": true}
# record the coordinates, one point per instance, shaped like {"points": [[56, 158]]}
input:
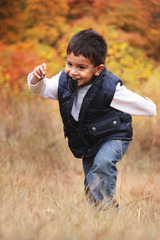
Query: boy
{"points": [[95, 108]]}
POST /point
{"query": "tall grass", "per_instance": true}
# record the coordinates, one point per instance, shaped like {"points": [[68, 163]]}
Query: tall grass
{"points": [[41, 184]]}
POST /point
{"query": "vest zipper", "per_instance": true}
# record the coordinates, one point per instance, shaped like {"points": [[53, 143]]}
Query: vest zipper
{"points": [[70, 109]]}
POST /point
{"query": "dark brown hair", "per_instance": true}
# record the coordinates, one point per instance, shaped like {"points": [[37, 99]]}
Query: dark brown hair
{"points": [[90, 44]]}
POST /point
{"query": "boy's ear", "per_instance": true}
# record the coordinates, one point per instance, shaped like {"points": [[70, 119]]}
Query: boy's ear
{"points": [[100, 68]]}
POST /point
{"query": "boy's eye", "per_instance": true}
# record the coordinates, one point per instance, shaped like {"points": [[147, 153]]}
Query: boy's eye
{"points": [[81, 67], [69, 64]]}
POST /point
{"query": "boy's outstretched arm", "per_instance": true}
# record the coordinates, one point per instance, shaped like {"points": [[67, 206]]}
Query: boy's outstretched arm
{"points": [[132, 103], [42, 86], [38, 73]]}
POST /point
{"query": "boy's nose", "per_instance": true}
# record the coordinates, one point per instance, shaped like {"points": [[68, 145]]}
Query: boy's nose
{"points": [[73, 72]]}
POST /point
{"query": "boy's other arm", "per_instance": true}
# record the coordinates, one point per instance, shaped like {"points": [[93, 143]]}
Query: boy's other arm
{"points": [[129, 102]]}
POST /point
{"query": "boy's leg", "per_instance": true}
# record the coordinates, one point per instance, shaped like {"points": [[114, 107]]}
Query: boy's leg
{"points": [[87, 164], [101, 171]]}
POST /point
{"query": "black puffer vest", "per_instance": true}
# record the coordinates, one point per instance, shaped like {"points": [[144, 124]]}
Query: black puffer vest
{"points": [[97, 121]]}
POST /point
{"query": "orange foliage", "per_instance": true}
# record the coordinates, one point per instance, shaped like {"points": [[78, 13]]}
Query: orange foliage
{"points": [[79, 8], [11, 20], [45, 20], [53, 22], [16, 61]]}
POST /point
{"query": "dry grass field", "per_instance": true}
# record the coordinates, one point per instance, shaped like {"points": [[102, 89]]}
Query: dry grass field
{"points": [[41, 184]]}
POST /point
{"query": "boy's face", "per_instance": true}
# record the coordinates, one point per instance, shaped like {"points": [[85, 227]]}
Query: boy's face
{"points": [[81, 69]]}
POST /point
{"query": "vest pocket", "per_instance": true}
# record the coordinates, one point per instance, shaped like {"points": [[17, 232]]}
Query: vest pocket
{"points": [[106, 126]]}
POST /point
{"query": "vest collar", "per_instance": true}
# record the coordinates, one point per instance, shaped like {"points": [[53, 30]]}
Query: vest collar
{"points": [[73, 83], [91, 94]]}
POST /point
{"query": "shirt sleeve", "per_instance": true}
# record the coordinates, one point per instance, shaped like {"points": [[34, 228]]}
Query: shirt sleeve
{"points": [[46, 88], [129, 102]]}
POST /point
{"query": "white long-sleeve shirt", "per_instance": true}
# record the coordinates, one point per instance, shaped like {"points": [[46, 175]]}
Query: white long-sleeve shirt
{"points": [[123, 100]]}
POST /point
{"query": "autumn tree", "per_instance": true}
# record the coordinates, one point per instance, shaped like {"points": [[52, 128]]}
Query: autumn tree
{"points": [[46, 20], [137, 21], [152, 7], [79, 8], [11, 20]]}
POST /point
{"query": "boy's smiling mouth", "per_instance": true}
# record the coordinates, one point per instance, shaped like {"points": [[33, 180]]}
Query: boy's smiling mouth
{"points": [[75, 79]]}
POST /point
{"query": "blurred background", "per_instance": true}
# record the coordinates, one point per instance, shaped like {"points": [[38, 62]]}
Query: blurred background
{"points": [[36, 31], [41, 183]]}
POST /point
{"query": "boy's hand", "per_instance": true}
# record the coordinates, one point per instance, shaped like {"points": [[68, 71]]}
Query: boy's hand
{"points": [[38, 73]]}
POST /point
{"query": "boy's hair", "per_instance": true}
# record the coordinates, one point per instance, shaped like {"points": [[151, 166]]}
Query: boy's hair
{"points": [[90, 44]]}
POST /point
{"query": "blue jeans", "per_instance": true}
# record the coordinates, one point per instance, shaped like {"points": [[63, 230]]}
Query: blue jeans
{"points": [[100, 170]]}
